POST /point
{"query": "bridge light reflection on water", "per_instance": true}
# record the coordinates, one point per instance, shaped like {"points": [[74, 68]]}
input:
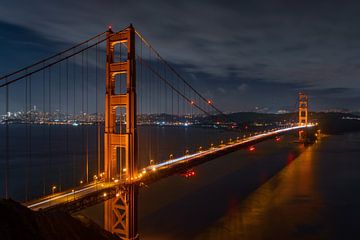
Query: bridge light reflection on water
{"points": [[276, 209]]}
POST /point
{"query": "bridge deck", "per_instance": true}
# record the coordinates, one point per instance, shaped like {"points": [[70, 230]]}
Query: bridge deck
{"points": [[96, 192]]}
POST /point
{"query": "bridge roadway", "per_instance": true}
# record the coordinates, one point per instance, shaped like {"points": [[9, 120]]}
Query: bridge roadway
{"points": [[96, 192]]}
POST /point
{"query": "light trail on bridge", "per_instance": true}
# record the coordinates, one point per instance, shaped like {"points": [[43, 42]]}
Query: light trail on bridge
{"points": [[216, 149], [155, 171]]}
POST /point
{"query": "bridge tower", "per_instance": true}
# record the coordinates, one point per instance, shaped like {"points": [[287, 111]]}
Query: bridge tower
{"points": [[120, 145], [303, 113]]}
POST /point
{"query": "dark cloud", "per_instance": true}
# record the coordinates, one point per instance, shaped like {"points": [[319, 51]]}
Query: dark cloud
{"points": [[268, 49]]}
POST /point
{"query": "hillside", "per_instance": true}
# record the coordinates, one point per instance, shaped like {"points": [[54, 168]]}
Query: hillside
{"points": [[330, 122]]}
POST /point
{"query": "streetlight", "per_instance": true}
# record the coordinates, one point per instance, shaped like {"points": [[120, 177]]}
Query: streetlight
{"points": [[95, 178], [53, 189], [171, 156]]}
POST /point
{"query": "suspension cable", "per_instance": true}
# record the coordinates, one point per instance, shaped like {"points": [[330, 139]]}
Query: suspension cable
{"points": [[177, 74], [51, 57]]}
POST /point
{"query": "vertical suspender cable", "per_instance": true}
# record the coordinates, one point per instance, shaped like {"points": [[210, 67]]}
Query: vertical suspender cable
{"points": [[172, 105], [157, 94], [67, 112], [49, 127], [149, 109], [165, 94], [7, 143], [140, 82], [30, 134], [26, 139], [59, 119], [75, 181], [87, 115], [43, 128], [82, 118], [97, 109]]}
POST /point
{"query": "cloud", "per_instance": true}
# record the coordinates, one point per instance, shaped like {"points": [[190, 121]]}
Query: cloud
{"points": [[309, 44], [222, 90], [242, 87]]}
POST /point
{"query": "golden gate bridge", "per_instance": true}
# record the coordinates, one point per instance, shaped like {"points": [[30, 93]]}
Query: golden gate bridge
{"points": [[113, 85]]}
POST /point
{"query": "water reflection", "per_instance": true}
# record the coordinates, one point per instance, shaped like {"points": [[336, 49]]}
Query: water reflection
{"points": [[284, 207], [255, 196]]}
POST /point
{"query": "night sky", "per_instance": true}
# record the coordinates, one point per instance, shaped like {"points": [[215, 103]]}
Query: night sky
{"points": [[241, 54]]}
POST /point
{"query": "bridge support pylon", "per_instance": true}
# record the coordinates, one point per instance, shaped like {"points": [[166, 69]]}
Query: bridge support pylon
{"points": [[303, 114], [120, 143]]}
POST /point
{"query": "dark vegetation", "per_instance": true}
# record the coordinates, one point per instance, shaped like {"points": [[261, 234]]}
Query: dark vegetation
{"points": [[19, 222]]}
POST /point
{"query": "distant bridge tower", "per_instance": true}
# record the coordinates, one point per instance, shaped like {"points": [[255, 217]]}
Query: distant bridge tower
{"points": [[120, 145], [303, 109], [303, 113]]}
